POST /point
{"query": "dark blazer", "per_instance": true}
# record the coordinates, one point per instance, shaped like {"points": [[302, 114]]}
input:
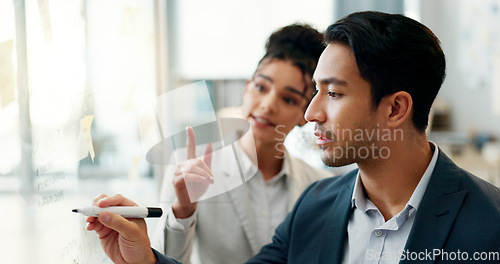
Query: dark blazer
{"points": [[162, 259], [458, 213]]}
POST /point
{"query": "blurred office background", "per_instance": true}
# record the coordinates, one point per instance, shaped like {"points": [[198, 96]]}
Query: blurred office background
{"points": [[75, 74]]}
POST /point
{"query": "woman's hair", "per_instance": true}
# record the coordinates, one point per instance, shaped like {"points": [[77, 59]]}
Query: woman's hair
{"points": [[299, 44]]}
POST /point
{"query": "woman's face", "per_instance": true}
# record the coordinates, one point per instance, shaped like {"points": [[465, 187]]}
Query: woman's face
{"points": [[274, 101]]}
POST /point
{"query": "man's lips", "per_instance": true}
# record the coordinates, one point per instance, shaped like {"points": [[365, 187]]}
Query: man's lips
{"points": [[323, 141], [323, 138]]}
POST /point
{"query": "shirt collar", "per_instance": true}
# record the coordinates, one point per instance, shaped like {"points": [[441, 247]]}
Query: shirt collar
{"points": [[359, 199], [279, 175], [249, 168], [419, 191]]}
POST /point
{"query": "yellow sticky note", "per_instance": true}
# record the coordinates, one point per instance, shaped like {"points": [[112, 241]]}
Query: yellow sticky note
{"points": [[129, 20], [85, 125], [44, 12], [7, 86], [133, 174], [131, 97]]}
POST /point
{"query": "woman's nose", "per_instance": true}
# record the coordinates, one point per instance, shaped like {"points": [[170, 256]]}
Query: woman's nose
{"points": [[268, 102]]}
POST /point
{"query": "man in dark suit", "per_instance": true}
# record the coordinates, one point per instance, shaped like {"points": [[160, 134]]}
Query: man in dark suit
{"points": [[407, 202], [376, 82]]}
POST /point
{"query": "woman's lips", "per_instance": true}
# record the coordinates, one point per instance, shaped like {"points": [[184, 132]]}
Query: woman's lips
{"points": [[262, 121]]}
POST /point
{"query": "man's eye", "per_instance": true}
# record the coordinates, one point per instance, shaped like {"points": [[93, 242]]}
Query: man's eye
{"points": [[334, 94]]}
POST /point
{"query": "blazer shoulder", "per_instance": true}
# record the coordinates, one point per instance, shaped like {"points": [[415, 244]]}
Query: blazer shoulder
{"points": [[332, 185], [163, 259], [305, 168], [448, 178], [478, 189]]}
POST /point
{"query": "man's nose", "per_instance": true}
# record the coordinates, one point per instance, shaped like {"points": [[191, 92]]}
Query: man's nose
{"points": [[315, 111]]}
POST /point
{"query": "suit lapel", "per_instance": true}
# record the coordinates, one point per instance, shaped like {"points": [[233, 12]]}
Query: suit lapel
{"points": [[438, 209], [335, 229], [295, 183], [239, 200]]}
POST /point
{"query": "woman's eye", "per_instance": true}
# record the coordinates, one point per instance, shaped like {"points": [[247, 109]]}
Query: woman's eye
{"points": [[334, 94], [259, 87], [290, 101]]}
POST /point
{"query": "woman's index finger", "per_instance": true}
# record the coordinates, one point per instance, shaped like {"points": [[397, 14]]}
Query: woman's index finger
{"points": [[190, 143]]}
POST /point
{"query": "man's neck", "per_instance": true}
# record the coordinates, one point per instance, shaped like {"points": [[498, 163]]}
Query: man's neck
{"points": [[389, 183]]}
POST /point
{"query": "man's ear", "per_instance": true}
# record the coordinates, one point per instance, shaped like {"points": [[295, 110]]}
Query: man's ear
{"points": [[398, 108]]}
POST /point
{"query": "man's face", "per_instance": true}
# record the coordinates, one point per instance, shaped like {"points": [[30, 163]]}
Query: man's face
{"points": [[346, 120]]}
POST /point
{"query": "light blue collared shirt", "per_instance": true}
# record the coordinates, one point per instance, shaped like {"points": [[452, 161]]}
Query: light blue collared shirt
{"points": [[370, 239]]}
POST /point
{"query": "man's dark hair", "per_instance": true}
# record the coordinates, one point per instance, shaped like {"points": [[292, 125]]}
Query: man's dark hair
{"points": [[394, 53], [298, 43]]}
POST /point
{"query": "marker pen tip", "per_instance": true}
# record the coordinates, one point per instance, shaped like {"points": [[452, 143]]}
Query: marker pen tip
{"points": [[74, 210]]}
